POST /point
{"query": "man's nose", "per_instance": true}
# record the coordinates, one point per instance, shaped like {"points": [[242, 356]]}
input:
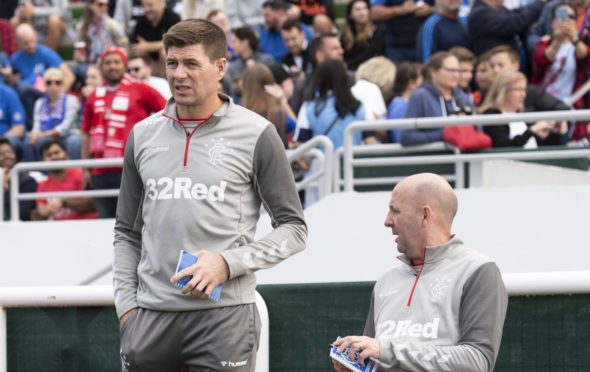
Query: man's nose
{"points": [[388, 221], [179, 72]]}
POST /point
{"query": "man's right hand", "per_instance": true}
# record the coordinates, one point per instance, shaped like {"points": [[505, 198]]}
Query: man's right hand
{"points": [[125, 317]]}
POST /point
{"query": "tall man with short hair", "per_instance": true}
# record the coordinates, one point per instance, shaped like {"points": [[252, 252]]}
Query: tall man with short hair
{"points": [[195, 176], [443, 309]]}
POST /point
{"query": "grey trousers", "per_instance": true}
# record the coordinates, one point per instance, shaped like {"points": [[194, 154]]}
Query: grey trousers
{"points": [[218, 339]]}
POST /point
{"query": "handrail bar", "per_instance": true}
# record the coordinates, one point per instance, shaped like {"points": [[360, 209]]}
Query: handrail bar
{"points": [[558, 282], [437, 122], [577, 94], [327, 169], [437, 159], [69, 194]]}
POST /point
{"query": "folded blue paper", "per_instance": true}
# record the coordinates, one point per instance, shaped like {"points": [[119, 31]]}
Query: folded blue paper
{"points": [[185, 260], [352, 365]]}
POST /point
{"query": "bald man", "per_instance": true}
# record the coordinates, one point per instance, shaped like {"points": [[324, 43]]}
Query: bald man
{"points": [[33, 59], [443, 308]]}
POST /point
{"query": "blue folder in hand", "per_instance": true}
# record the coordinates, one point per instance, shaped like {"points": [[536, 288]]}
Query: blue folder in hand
{"points": [[185, 260]]}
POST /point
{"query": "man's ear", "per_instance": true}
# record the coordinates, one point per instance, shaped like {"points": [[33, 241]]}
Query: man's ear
{"points": [[221, 65], [426, 215]]}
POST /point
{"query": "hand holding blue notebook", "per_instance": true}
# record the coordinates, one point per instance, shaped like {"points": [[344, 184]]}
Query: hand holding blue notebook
{"points": [[185, 260], [353, 365]]}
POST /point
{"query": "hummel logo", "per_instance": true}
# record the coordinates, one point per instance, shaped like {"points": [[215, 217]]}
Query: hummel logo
{"points": [[152, 150], [233, 364]]}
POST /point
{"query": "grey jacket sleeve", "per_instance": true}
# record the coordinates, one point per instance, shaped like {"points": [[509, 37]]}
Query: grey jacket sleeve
{"points": [[128, 226], [370, 322], [481, 320], [273, 181]]}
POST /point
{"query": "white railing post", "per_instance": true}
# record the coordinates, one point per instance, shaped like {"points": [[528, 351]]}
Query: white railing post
{"points": [[3, 341], [14, 192], [347, 158], [263, 354]]}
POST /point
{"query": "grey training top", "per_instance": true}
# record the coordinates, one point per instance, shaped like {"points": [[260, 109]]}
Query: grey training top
{"points": [[453, 321], [202, 191]]}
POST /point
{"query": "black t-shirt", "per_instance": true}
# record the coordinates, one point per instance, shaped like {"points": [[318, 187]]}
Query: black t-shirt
{"points": [[148, 32], [401, 31], [7, 8]]}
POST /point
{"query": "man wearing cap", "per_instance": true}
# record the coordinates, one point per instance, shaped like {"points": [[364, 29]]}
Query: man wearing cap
{"points": [[109, 114]]}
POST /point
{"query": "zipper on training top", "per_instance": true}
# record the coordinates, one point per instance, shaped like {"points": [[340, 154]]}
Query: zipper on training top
{"points": [[190, 134], [419, 268]]}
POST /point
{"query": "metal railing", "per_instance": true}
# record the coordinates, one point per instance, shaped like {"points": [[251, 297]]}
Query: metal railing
{"points": [[428, 123], [312, 148], [326, 157], [392, 149], [16, 195], [19, 297]]}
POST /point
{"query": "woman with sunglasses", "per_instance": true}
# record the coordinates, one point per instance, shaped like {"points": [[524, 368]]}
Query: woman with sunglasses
{"points": [[99, 31], [54, 116]]}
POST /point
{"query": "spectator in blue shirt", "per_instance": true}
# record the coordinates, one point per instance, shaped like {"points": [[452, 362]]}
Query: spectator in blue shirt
{"points": [[5, 67], [12, 116], [31, 61], [441, 31], [440, 96], [407, 79], [271, 41], [32, 58]]}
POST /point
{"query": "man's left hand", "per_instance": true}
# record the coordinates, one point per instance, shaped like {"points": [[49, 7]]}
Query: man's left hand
{"points": [[209, 271], [366, 346]]}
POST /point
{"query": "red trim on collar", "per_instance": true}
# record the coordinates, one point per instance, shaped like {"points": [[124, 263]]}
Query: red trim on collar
{"points": [[196, 119]]}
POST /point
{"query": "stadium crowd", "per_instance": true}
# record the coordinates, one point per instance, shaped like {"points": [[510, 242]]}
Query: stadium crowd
{"points": [[293, 63]]}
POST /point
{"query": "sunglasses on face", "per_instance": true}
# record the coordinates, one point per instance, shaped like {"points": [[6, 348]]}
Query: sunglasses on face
{"points": [[53, 82]]}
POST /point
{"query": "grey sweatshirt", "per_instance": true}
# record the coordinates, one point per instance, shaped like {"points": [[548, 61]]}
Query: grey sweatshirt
{"points": [[453, 321], [202, 191]]}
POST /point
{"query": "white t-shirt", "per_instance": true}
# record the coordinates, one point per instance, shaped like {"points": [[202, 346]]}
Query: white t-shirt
{"points": [[519, 127], [161, 85], [560, 78], [370, 96]]}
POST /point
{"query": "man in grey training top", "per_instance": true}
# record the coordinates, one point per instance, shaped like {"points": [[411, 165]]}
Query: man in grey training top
{"points": [[443, 308], [195, 176]]}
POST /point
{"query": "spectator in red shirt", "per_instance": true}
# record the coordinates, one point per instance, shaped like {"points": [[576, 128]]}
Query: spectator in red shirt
{"points": [[109, 114], [69, 179]]}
